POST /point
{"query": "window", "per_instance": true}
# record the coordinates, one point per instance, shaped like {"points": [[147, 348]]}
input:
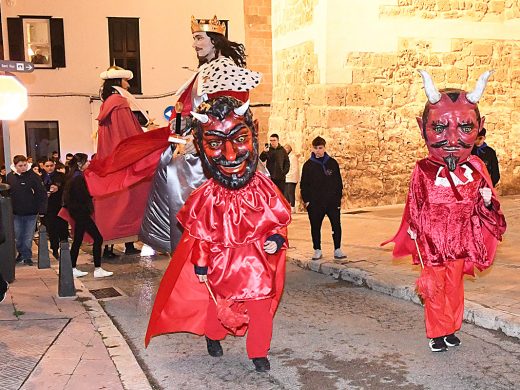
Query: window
{"points": [[37, 39], [41, 138], [123, 35]]}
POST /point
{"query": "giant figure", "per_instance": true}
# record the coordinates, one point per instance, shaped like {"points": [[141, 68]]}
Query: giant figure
{"points": [[452, 219], [234, 240]]}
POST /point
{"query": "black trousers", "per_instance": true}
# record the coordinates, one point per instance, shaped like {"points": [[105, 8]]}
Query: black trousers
{"points": [[82, 225], [280, 184], [290, 193], [316, 214], [57, 228]]}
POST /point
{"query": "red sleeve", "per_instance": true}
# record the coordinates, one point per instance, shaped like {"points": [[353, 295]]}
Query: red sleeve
{"points": [[200, 253]]}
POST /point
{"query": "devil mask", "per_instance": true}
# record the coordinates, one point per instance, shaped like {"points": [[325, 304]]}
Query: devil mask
{"points": [[451, 121], [227, 140]]}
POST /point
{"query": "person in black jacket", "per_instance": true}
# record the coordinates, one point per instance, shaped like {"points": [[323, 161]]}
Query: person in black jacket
{"points": [[78, 202], [57, 228], [277, 161], [487, 155], [322, 189], [29, 199], [4, 286]]}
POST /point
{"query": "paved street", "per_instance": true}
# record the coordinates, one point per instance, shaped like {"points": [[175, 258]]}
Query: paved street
{"points": [[328, 335]]}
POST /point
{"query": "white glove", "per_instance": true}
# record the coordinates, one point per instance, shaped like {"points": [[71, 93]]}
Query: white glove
{"points": [[270, 247], [412, 234], [486, 195]]}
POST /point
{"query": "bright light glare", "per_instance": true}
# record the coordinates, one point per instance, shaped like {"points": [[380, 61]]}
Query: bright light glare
{"points": [[13, 98]]}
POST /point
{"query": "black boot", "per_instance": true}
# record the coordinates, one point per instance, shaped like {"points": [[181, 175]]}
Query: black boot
{"points": [[214, 347], [130, 250], [261, 364], [108, 252]]}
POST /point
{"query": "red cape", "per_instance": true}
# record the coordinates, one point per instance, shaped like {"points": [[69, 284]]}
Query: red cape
{"points": [[181, 302], [492, 231]]}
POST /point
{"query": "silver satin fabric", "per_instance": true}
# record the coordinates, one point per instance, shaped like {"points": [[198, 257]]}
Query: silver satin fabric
{"points": [[174, 181]]}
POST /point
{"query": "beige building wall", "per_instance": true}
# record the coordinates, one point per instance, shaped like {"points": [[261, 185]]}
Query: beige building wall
{"points": [[165, 43], [347, 70]]}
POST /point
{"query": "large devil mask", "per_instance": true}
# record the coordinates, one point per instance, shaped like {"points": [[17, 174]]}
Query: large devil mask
{"points": [[227, 140], [451, 121]]}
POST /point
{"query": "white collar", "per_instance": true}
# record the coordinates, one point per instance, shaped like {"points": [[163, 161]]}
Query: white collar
{"points": [[443, 181]]}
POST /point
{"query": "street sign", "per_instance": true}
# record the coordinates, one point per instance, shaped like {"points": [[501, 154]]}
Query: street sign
{"points": [[16, 66], [168, 112], [13, 98]]}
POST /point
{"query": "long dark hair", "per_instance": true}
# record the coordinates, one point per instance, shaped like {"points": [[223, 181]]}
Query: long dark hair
{"points": [[235, 51], [75, 164], [107, 88]]}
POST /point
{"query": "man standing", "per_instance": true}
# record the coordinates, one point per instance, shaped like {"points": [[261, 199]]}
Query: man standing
{"points": [[29, 199], [277, 161], [57, 228], [322, 189], [487, 155], [292, 178]]}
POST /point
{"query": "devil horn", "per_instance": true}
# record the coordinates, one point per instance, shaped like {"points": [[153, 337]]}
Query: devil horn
{"points": [[475, 95], [432, 93], [202, 118], [240, 111]]}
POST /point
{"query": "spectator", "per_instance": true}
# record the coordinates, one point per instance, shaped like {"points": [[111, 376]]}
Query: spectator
{"points": [[68, 157], [29, 199], [78, 202], [277, 161], [55, 156], [57, 228], [322, 189], [3, 174], [29, 162], [4, 286], [60, 167], [36, 169], [487, 155], [292, 178]]}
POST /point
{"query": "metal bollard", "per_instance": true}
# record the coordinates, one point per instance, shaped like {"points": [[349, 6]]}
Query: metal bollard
{"points": [[66, 280], [8, 248], [43, 249]]}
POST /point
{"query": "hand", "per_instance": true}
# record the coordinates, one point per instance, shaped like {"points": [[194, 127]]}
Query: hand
{"points": [[189, 148], [53, 188], [413, 235], [203, 278], [486, 195], [270, 247], [266, 148]]}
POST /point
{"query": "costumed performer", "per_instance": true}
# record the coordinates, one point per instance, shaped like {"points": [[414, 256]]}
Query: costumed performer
{"points": [[452, 220], [234, 240]]}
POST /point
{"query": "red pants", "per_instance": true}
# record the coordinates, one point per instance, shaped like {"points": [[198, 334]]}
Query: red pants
{"points": [[444, 312], [260, 328]]}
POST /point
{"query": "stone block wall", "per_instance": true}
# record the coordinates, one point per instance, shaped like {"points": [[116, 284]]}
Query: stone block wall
{"points": [[370, 122]]}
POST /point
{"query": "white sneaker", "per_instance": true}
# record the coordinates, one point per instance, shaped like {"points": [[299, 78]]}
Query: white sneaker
{"points": [[77, 273], [147, 250], [317, 254], [293, 210], [101, 273], [338, 254]]}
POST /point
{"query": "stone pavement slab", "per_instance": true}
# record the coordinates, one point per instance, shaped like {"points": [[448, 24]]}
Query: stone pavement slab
{"points": [[491, 298]]}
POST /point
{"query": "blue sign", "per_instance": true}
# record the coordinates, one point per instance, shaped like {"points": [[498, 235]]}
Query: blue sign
{"points": [[168, 112]]}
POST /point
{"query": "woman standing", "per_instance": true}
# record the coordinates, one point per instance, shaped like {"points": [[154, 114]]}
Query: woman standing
{"points": [[78, 201]]}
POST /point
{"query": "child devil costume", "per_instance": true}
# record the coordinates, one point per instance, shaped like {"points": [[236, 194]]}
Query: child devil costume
{"points": [[235, 237], [452, 211]]}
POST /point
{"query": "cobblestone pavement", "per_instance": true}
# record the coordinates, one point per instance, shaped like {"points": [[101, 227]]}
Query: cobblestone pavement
{"points": [[328, 335]]}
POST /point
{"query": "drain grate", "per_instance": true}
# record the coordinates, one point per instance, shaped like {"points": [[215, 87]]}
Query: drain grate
{"points": [[357, 212], [103, 293]]}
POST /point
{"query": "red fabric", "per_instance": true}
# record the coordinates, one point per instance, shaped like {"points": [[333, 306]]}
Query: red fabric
{"points": [[116, 123], [443, 225], [444, 311], [235, 225]]}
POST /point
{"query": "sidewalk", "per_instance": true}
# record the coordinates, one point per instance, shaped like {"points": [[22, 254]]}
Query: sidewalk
{"points": [[492, 298], [49, 342]]}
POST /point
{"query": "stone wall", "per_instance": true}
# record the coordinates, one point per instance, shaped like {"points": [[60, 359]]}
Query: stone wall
{"points": [[369, 122]]}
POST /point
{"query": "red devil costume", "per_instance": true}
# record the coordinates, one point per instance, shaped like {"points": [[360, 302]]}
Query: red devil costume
{"points": [[452, 212], [235, 236]]}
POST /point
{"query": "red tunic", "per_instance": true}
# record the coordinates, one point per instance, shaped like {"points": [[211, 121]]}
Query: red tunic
{"points": [[448, 229], [225, 230]]}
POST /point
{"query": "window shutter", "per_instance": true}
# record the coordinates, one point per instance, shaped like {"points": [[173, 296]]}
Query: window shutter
{"points": [[58, 43], [15, 35]]}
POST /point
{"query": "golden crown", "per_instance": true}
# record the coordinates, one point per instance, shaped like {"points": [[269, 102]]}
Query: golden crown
{"points": [[207, 25]]}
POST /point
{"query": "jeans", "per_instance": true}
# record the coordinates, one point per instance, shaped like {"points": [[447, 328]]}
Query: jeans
{"points": [[24, 226]]}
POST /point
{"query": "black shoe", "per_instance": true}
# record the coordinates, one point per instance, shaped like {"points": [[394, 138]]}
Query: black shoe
{"points": [[261, 364], [214, 347], [132, 251], [56, 254], [19, 259], [4, 286], [451, 340], [108, 254], [28, 262], [438, 345]]}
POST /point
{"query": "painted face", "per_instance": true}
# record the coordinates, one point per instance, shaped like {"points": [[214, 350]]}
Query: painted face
{"points": [[451, 130], [203, 46]]}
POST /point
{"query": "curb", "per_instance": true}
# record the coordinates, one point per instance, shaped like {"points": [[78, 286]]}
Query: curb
{"points": [[474, 313]]}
